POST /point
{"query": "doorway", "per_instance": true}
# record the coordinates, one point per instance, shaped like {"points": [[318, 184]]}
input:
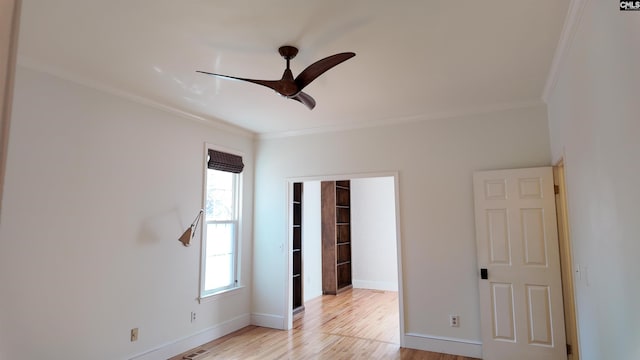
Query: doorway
{"points": [[376, 251]]}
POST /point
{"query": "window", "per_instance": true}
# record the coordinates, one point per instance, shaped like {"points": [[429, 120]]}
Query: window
{"points": [[221, 223]]}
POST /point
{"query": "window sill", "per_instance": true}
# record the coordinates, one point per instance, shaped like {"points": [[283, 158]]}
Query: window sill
{"points": [[220, 294]]}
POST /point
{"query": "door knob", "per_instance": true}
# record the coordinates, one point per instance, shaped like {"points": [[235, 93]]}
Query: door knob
{"points": [[484, 274]]}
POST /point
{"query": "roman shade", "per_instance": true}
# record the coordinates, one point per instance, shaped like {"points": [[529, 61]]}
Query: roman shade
{"points": [[223, 161]]}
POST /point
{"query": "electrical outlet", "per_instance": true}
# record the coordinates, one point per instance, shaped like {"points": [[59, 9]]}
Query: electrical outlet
{"points": [[193, 316], [134, 334], [454, 320]]}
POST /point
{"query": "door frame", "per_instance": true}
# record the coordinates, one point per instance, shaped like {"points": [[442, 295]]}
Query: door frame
{"points": [[288, 311], [10, 21], [566, 261]]}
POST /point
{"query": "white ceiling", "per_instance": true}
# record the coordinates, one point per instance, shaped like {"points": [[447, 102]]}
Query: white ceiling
{"points": [[415, 59]]}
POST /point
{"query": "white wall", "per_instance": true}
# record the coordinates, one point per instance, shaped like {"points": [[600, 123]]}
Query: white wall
{"points": [[374, 262], [98, 190], [435, 160], [594, 117], [312, 240]]}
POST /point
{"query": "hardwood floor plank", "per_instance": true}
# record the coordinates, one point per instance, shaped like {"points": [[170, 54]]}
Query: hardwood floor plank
{"points": [[356, 324]]}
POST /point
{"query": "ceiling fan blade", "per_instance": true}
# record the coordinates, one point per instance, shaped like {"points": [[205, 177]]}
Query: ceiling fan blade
{"points": [[306, 99], [320, 67], [271, 84]]}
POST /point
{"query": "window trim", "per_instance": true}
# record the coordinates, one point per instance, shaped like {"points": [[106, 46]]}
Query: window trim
{"points": [[238, 186]]}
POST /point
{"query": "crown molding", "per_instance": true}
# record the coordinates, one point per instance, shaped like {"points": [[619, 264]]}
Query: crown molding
{"points": [[571, 24], [465, 112], [29, 63]]}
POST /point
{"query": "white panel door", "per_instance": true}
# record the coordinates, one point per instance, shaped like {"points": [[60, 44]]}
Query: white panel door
{"points": [[521, 299]]}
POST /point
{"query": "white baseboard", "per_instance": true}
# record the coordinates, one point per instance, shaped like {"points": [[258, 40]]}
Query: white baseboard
{"points": [[269, 321], [172, 349], [453, 346], [375, 285]]}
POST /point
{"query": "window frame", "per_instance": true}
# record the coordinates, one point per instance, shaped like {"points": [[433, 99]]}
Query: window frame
{"points": [[236, 223]]}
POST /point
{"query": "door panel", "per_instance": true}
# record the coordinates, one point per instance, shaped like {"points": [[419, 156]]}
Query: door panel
{"points": [[539, 314], [503, 321], [521, 301], [498, 236], [535, 246]]}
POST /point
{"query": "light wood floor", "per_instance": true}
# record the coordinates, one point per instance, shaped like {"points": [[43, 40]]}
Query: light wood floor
{"points": [[356, 324]]}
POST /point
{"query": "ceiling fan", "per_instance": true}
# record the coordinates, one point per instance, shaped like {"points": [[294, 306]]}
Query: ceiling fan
{"points": [[289, 87]]}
